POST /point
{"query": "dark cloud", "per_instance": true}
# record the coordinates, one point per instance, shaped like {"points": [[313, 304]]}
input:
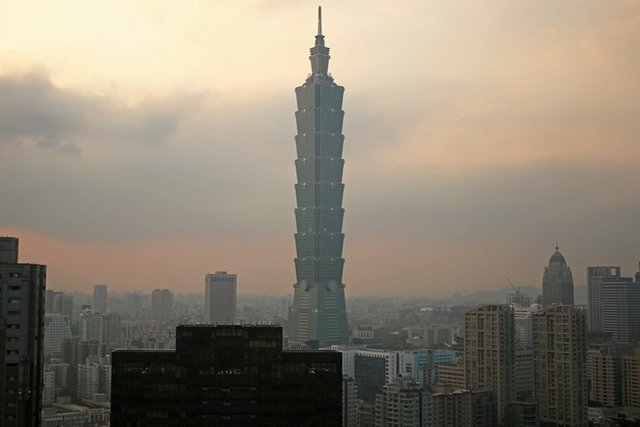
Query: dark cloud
{"points": [[34, 112], [176, 165]]}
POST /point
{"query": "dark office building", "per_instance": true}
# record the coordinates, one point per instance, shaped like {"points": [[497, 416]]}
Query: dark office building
{"points": [[226, 375]]}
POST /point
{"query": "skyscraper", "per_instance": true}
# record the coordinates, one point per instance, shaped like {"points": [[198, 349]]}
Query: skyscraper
{"points": [[162, 305], [557, 282], [619, 309], [595, 276], [318, 313], [100, 298], [22, 295], [220, 298]]}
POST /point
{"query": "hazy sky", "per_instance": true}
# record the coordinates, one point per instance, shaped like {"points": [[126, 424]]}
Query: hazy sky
{"points": [[144, 144]]}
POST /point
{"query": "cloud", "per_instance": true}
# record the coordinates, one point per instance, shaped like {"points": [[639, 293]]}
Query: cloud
{"points": [[35, 113], [178, 164]]}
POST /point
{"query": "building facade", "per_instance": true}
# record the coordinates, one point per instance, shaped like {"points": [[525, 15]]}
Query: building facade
{"points": [[22, 303], [162, 305], [318, 312], [463, 408], [489, 352], [603, 374], [56, 329], [402, 403], [559, 358], [557, 281], [620, 309], [595, 276], [231, 375], [100, 298], [631, 380], [220, 291]]}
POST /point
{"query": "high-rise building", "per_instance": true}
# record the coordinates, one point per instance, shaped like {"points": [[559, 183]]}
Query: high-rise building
{"points": [[453, 375], [318, 313], [463, 408], [489, 352], [620, 309], [631, 380], [22, 301], [91, 326], [403, 403], [100, 298], [220, 298], [112, 330], [162, 305], [56, 329], [350, 402], [557, 281], [559, 359], [595, 276], [233, 375], [524, 375], [603, 375], [63, 304]]}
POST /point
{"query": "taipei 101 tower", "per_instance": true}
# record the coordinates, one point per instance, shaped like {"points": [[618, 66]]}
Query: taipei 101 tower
{"points": [[318, 314]]}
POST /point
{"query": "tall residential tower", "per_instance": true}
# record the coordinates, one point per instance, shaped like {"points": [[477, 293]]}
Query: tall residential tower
{"points": [[22, 294], [318, 313]]}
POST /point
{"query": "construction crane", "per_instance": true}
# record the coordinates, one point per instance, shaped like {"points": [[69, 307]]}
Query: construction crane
{"points": [[515, 298]]}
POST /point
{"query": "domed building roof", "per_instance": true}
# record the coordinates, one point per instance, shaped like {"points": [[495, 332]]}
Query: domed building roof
{"points": [[557, 258], [535, 307]]}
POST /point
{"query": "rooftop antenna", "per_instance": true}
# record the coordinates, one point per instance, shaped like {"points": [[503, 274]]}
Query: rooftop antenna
{"points": [[319, 20]]}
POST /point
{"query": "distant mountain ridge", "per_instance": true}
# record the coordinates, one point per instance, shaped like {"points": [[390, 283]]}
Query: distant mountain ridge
{"points": [[499, 296]]}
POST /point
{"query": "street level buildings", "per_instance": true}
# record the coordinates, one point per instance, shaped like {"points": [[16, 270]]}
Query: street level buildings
{"points": [[318, 313], [22, 302], [220, 291]]}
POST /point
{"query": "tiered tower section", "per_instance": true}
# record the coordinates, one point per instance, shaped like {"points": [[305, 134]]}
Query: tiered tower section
{"points": [[318, 313]]}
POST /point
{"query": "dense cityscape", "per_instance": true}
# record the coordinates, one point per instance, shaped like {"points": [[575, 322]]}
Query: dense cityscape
{"points": [[551, 353]]}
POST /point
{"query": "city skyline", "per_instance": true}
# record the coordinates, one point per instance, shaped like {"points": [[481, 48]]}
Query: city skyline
{"points": [[479, 135]]}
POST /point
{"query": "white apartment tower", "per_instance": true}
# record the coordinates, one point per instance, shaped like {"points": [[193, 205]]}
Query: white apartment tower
{"points": [[220, 291]]}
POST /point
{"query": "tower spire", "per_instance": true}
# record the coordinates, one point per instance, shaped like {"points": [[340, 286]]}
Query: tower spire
{"points": [[319, 53]]}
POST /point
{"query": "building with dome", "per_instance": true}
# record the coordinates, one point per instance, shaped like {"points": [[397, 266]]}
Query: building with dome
{"points": [[557, 282]]}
